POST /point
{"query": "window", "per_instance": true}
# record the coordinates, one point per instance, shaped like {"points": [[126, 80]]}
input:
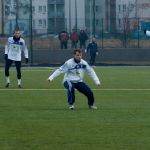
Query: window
{"points": [[119, 23], [40, 23], [96, 8], [124, 7], [44, 23], [33, 23], [40, 9], [97, 22], [44, 9], [33, 9], [119, 8]]}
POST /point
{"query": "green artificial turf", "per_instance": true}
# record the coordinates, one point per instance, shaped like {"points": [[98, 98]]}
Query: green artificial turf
{"points": [[37, 117]]}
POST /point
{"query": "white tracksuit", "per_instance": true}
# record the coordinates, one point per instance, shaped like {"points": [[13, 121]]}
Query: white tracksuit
{"points": [[74, 72]]}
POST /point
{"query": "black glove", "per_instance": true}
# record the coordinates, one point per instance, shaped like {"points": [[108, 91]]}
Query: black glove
{"points": [[27, 60], [6, 57], [145, 31]]}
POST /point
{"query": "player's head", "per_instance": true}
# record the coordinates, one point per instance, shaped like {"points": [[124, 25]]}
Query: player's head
{"points": [[93, 39], [77, 53], [17, 34]]}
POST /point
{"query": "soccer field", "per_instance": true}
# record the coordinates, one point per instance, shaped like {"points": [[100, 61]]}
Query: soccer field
{"points": [[37, 116]]}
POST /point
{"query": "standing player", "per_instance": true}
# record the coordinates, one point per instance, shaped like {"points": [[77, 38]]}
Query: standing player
{"points": [[74, 70], [13, 50], [92, 48]]}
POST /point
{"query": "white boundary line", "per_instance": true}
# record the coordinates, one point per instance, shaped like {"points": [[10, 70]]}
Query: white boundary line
{"points": [[15, 89]]}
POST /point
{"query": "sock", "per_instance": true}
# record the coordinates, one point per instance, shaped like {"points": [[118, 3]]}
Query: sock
{"points": [[19, 81], [7, 80]]}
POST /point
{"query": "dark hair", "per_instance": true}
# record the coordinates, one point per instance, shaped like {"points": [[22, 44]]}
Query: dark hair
{"points": [[77, 50], [16, 31]]}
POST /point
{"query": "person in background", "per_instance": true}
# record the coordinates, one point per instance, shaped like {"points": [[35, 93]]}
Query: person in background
{"points": [[93, 50], [74, 70], [63, 37], [74, 39], [13, 50], [83, 38]]}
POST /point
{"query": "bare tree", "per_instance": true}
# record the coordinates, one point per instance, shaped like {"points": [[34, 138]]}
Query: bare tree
{"points": [[129, 21]]}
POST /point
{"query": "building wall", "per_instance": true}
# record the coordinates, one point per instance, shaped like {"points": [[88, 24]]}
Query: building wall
{"points": [[40, 16], [125, 9], [56, 16], [75, 14], [143, 8], [94, 20], [104, 12]]}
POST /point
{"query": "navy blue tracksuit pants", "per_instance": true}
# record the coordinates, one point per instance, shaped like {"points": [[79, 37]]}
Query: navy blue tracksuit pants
{"points": [[81, 87], [17, 65]]}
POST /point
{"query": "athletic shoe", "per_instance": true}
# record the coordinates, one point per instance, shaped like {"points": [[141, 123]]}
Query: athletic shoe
{"points": [[92, 107], [71, 107], [7, 85], [19, 85]]}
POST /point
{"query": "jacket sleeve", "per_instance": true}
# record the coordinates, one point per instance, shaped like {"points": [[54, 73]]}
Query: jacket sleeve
{"points": [[55, 74], [25, 50], [88, 47], [7, 47], [96, 48], [59, 71], [92, 74]]}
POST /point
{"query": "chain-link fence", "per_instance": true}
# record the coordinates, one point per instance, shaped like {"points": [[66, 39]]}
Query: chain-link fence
{"points": [[42, 38]]}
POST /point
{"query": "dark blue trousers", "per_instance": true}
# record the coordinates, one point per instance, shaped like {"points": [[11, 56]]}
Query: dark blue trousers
{"points": [[92, 59], [81, 87], [17, 65]]}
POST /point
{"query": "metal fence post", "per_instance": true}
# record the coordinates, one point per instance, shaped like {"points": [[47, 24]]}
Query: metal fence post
{"points": [[138, 35], [94, 18], [102, 34], [31, 49]]}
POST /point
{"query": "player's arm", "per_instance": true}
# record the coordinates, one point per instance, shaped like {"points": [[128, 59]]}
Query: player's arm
{"points": [[96, 49], [25, 50], [57, 72], [6, 50], [92, 74]]}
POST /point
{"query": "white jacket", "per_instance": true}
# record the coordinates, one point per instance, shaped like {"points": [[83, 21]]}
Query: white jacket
{"points": [[74, 72], [14, 49]]}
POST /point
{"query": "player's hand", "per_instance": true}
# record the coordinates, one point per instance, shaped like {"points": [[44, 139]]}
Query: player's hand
{"points": [[27, 60], [98, 84], [49, 80], [96, 53], [85, 50]]}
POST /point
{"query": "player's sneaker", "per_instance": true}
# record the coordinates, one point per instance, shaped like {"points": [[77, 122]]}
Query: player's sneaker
{"points": [[71, 107], [92, 107], [7, 85], [19, 85]]}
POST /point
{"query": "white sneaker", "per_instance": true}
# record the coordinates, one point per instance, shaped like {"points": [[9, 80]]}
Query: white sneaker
{"points": [[71, 107], [92, 107]]}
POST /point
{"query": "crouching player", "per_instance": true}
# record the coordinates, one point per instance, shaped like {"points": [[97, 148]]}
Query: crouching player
{"points": [[13, 49], [74, 70]]}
